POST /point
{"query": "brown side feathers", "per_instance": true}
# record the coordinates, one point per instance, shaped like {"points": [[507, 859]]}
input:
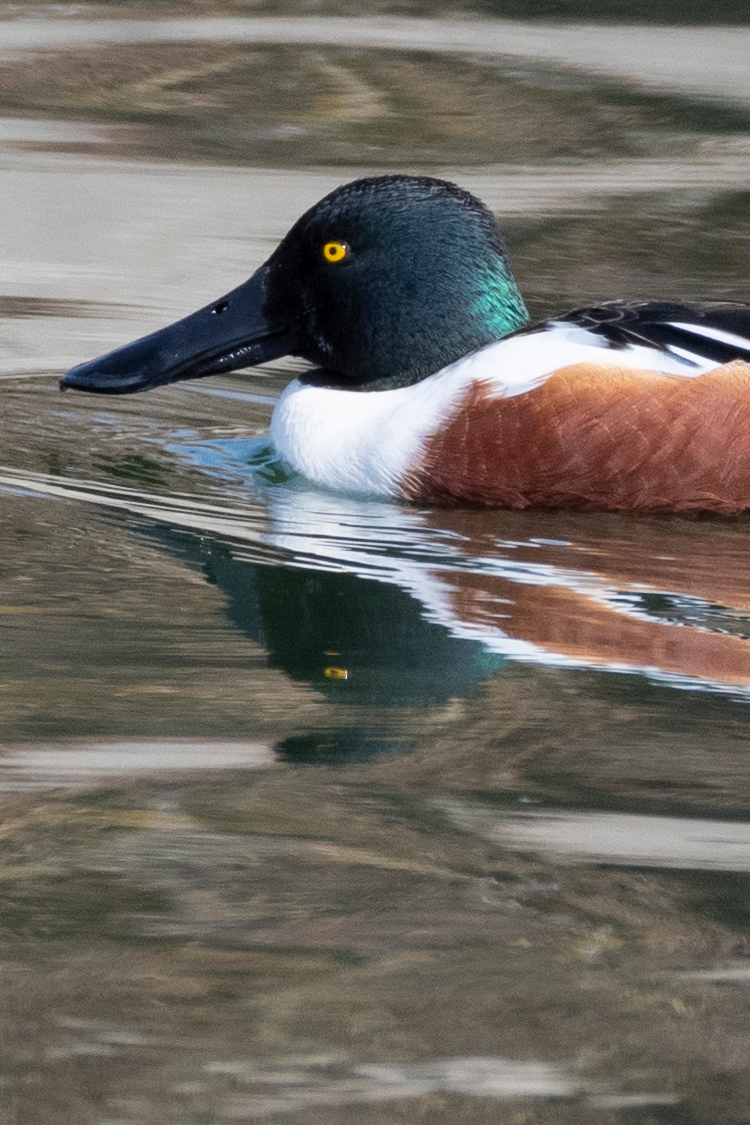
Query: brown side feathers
{"points": [[596, 438]]}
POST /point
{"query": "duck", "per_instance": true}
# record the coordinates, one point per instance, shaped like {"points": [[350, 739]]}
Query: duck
{"points": [[429, 382]]}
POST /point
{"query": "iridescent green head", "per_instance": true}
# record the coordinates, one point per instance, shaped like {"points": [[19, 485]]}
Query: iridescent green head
{"points": [[383, 282], [398, 276]]}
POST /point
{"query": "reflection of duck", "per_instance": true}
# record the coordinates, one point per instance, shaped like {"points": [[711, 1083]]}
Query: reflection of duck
{"points": [[418, 607], [618, 602], [662, 598], [400, 286], [354, 640]]}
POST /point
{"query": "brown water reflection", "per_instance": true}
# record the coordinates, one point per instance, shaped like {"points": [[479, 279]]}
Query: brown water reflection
{"points": [[660, 596], [324, 810]]}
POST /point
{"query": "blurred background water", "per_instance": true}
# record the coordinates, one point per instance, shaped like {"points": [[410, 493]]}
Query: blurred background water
{"points": [[317, 809]]}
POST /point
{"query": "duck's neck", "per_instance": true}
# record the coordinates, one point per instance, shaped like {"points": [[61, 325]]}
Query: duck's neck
{"points": [[486, 309]]}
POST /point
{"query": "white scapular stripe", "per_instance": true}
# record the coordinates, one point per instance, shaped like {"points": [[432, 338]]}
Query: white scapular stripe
{"points": [[717, 334]]}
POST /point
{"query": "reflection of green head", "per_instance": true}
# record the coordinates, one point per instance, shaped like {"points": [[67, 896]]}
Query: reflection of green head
{"points": [[424, 279]]}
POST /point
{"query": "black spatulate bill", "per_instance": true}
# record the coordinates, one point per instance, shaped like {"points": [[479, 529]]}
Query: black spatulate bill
{"points": [[231, 333]]}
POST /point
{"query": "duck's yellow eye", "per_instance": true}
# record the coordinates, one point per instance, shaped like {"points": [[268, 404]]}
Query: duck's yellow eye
{"points": [[335, 251]]}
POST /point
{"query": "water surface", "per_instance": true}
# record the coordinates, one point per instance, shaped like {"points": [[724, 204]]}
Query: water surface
{"points": [[325, 809]]}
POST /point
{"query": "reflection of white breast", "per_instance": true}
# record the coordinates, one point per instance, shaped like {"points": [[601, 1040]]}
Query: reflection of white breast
{"points": [[367, 441]]}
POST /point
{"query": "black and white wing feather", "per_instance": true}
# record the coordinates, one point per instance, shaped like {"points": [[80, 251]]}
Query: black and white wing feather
{"points": [[693, 334]]}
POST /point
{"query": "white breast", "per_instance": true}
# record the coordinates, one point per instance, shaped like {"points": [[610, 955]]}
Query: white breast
{"points": [[360, 441], [365, 441]]}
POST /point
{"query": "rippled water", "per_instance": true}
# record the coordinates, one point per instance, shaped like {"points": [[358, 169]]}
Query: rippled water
{"points": [[326, 809]]}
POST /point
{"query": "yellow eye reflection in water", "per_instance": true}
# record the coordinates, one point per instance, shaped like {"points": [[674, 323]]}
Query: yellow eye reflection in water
{"points": [[336, 673], [335, 251]]}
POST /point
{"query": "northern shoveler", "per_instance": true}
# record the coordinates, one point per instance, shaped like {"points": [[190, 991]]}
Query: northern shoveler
{"points": [[429, 382]]}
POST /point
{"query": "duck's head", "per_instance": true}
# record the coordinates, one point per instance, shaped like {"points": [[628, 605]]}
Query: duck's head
{"points": [[383, 282]]}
